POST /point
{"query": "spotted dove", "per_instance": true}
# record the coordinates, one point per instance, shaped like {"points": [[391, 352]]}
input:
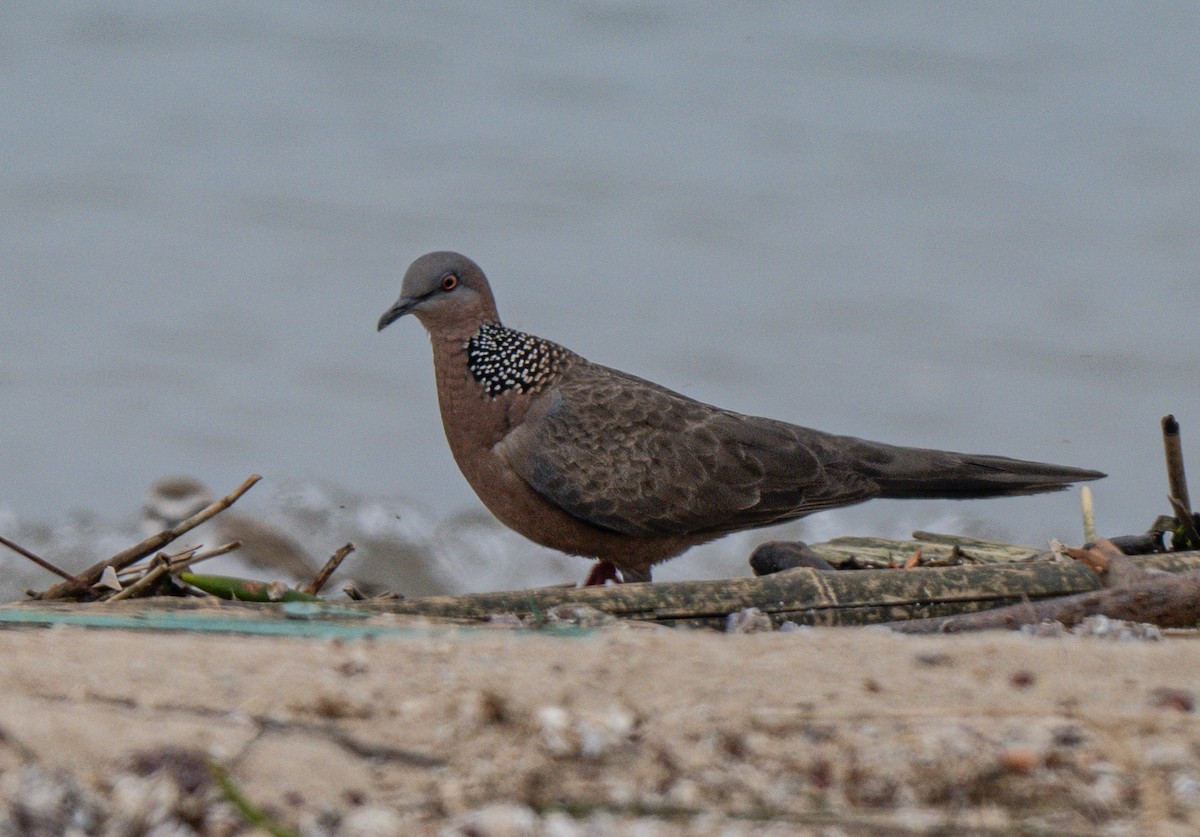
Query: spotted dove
{"points": [[602, 464]]}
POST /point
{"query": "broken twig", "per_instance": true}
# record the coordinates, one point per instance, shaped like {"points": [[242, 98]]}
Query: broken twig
{"points": [[41, 562], [335, 561]]}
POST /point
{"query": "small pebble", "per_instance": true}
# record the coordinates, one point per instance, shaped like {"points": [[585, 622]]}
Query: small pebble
{"points": [[579, 614], [500, 819], [1044, 630], [1166, 697], [776, 556], [1021, 760], [372, 821], [748, 621], [934, 658], [1116, 629], [584, 735], [504, 620], [1022, 679], [1068, 736]]}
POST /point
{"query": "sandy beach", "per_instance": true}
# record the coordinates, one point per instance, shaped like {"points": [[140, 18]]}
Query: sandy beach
{"points": [[626, 729]]}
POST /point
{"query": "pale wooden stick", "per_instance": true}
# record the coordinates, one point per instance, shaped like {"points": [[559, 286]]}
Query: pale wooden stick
{"points": [[133, 570], [1089, 514], [195, 558]]}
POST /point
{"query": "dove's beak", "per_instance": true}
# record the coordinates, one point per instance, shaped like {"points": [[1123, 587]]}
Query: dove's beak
{"points": [[403, 306]]}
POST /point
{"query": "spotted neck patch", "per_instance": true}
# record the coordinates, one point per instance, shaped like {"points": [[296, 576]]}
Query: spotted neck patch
{"points": [[502, 359]]}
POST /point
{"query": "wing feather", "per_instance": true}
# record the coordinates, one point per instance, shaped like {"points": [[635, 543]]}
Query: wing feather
{"points": [[628, 455]]}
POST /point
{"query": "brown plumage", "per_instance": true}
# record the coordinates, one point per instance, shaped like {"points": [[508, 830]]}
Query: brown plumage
{"points": [[596, 462]]}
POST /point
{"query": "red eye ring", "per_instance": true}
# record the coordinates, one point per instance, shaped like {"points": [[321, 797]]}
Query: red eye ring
{"points": [[449, 282]]}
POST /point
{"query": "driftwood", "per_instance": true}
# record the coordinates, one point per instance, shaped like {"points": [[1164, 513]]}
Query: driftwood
{"points": [[1165, 601], [801, 595], [935, 548], [1132, 593], [1116, 585]]}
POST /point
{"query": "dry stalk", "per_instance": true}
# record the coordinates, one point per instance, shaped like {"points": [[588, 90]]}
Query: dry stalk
{"points": [[134, 571], [162, 565], [178, 564], [335, 561], [1089, 514], [41, 562]]}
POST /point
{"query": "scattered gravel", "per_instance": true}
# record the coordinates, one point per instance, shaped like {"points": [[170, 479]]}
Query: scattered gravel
{"points": [[615, 731]]}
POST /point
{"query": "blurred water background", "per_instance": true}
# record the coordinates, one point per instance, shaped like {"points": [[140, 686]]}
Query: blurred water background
{"points": [[966, 227]]}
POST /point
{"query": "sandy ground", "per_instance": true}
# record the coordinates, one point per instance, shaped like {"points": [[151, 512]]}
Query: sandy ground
{"points": [[626, 730]]}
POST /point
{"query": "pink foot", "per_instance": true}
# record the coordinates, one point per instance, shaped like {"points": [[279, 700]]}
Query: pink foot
{"points": [[602, 571]]}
